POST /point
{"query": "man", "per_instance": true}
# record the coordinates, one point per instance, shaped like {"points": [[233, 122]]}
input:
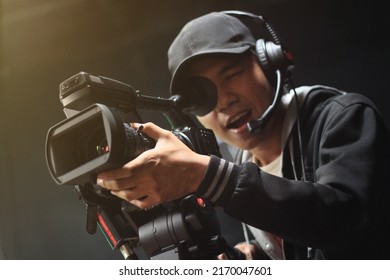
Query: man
{"points": [[310, 182]]}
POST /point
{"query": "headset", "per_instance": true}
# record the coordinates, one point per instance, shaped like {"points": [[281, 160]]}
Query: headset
{"points": [[274, 58]]}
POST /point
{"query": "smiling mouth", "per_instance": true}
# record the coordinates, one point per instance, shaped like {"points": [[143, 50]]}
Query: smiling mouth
{"points": [[239, 120]]}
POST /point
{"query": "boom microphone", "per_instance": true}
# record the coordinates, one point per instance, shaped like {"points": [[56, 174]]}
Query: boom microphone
{"points": [[256, 126]]}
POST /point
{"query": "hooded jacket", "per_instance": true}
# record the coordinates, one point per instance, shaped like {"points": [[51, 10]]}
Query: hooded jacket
{"points": [[337, 206]]}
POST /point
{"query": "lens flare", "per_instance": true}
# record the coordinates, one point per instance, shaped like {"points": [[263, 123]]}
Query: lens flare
{"points": [[102, 149]]}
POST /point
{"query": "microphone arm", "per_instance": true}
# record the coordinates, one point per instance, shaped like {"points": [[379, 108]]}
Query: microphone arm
{"points": [[256, 126]]}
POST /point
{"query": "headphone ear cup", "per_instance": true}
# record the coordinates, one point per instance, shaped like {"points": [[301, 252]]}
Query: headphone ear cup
{"points": [[263, 58], [272, 57]]}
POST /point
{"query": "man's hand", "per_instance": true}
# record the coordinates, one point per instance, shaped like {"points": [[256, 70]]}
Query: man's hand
{"points": [[251, 252], [167, 172]]}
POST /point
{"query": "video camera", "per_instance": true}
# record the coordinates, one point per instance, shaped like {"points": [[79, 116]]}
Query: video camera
{"points": [[96, 136]]}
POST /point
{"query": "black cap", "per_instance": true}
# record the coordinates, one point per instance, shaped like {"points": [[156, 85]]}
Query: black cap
{"points": [[213, 33]]}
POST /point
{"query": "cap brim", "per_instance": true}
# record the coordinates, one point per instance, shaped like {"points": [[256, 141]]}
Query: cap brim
{"points": [[177, 77]]}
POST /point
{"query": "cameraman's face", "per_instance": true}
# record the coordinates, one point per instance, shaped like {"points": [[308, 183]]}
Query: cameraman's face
{"points": [[244, 94]]}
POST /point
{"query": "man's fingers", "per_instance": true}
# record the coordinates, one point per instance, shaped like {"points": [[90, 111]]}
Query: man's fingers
{"points": [[150, 129]]}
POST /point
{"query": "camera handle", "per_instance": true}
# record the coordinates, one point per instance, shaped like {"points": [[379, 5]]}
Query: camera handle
{"points": [[104, 209]]}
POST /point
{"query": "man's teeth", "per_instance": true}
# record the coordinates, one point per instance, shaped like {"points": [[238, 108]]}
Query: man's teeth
{"points": [[236, 118], [239, 120]]}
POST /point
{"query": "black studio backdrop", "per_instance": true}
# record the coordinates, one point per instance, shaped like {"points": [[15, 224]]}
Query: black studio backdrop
{"points": [[43, 42]]}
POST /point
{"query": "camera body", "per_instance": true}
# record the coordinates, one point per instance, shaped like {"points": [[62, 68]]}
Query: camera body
{"points": [[96, 137], [95, 107]]}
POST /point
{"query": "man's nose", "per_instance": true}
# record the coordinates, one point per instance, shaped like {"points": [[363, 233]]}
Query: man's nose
{"points": [[226, 99]]}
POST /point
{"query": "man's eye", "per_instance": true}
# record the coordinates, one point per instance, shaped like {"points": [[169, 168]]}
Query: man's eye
{"points": [[234, 74]]}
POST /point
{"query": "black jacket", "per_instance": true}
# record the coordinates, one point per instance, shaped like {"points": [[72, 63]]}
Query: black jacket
{"points": [[342, 209]]}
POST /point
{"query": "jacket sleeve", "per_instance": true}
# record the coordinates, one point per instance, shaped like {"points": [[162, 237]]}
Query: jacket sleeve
{"points": [[348, 145]]}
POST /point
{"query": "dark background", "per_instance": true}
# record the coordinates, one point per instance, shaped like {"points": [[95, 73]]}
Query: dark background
{"points": [[342, 43]]}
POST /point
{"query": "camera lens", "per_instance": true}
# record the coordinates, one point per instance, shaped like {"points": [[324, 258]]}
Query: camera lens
{"points": [[137, 142], [92, 144]]}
